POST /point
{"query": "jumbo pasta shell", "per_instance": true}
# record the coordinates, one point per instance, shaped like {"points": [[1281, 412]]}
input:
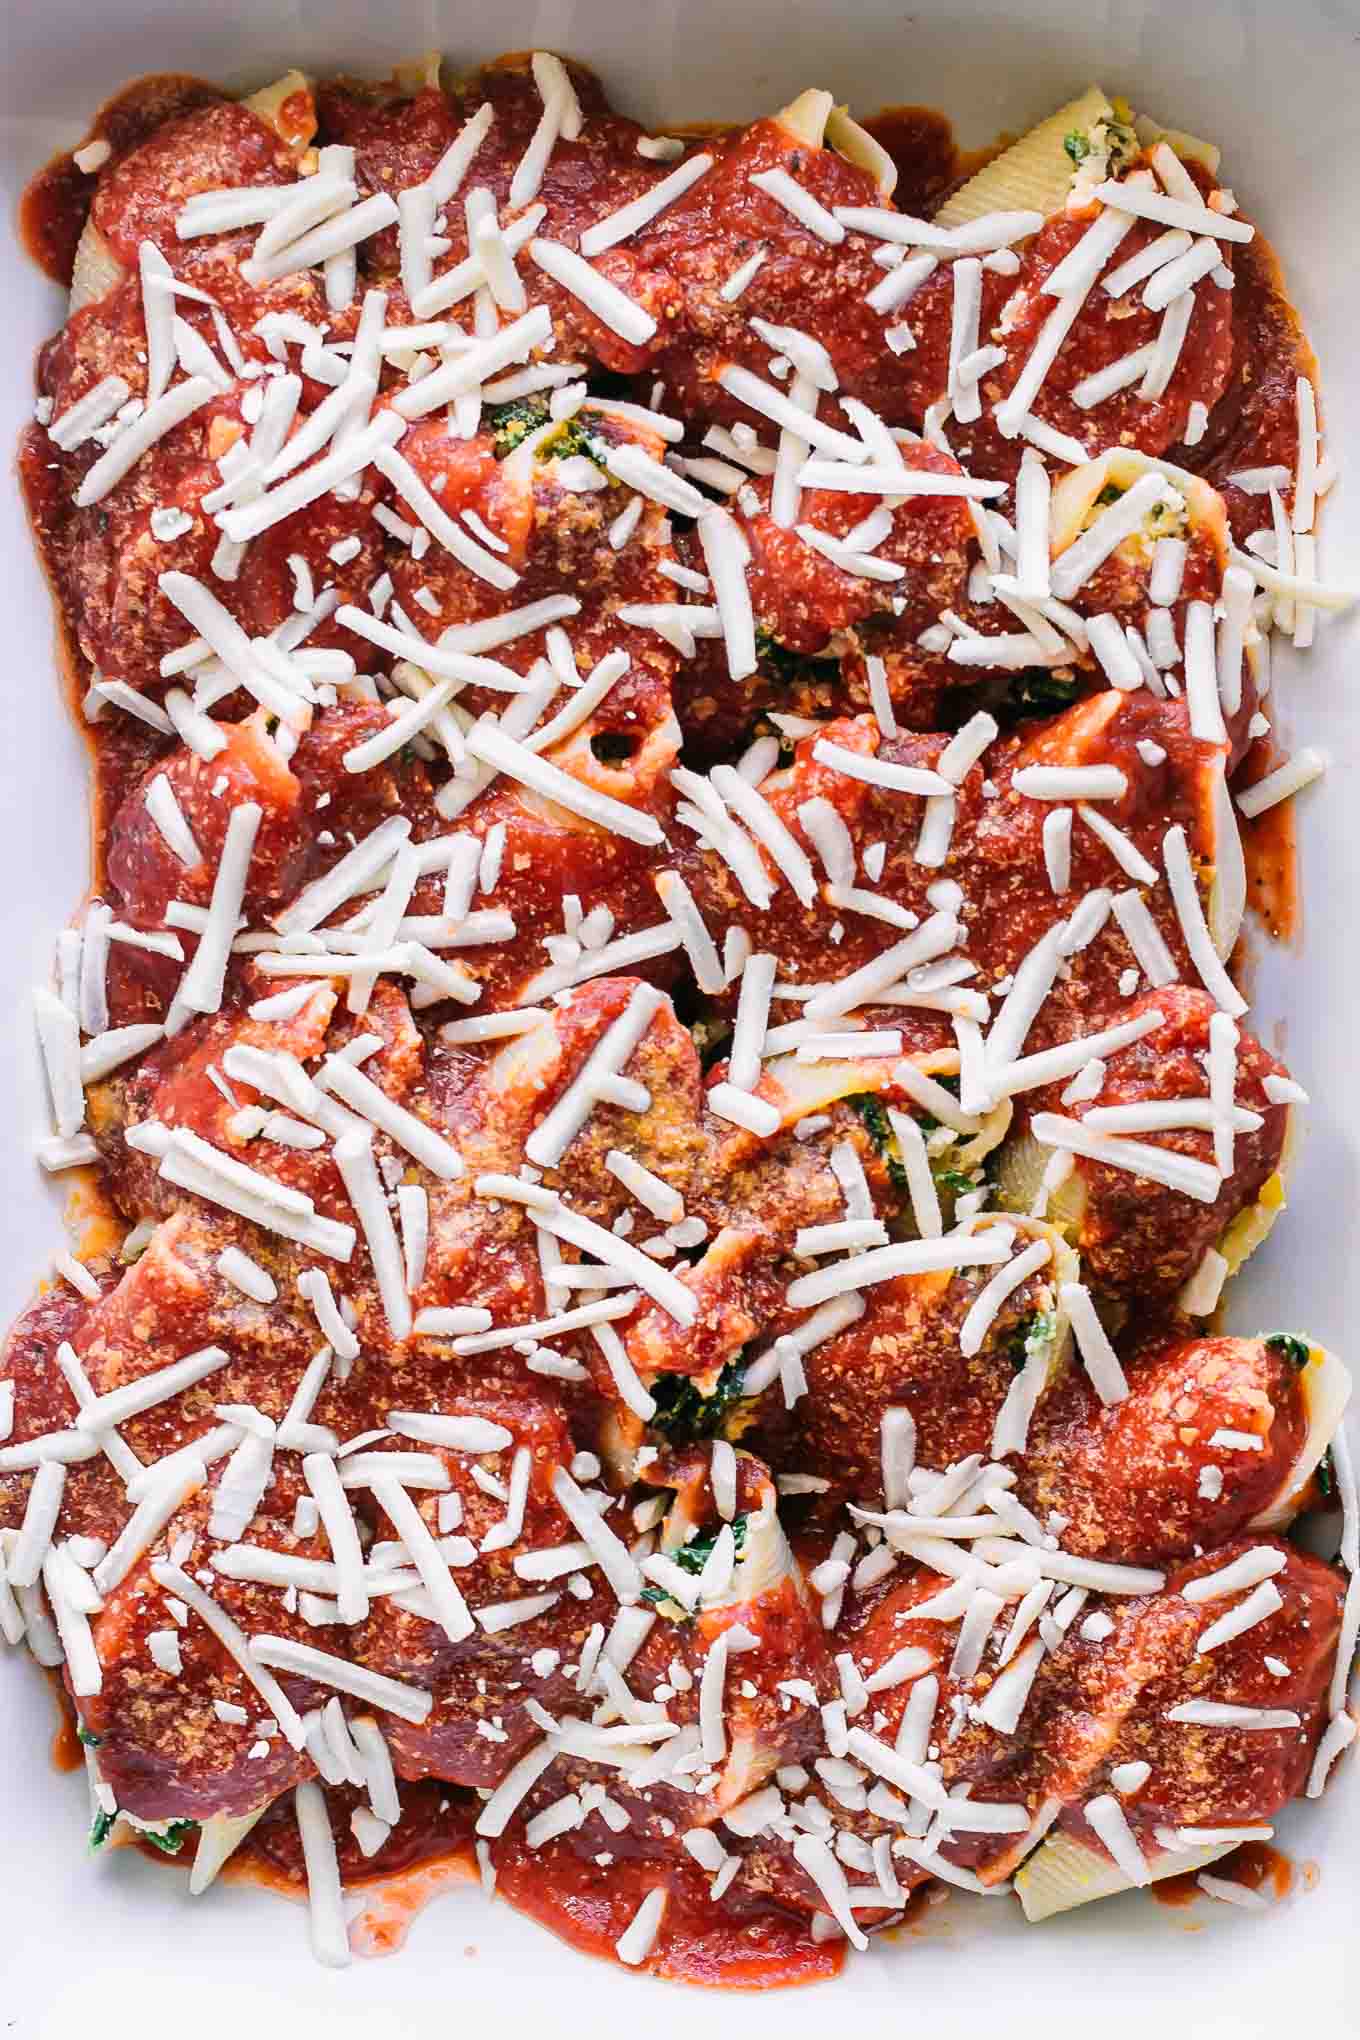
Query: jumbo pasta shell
{"points": [[1036, 173], [1189, 148], [858, 146], [1063, 1873], [806, 116], [418, 74], [97, 270], [1075, 502], [1227, 901], [1326, 1386], [1020, 1169], [288, 107], [218, 1838]]}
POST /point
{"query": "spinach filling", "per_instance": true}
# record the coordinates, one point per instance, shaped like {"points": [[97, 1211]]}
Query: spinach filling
{"points": [[684, 1414], [873, 1112], [169, 1839], [1023, 697], [574, 439], [1038, 692], [1030, 1337], [692, 1558], [510, 423], [776, 662], [878, 1126]]}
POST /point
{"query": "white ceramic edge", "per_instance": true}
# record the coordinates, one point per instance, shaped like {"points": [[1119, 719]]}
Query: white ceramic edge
{"points": [[117, 1940]]}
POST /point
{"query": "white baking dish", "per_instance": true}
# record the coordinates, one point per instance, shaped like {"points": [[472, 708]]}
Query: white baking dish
{"points": [[86, 1944]]}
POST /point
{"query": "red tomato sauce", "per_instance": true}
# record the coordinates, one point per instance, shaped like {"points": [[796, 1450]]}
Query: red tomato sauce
{"points": [[1270, 846], [589, 1905], [56, 203]]}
